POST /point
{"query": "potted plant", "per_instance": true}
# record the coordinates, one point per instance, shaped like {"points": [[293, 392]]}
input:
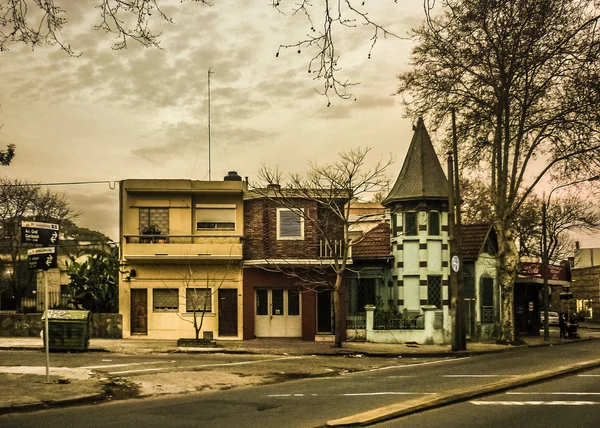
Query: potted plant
{"points": [[151, 229]]}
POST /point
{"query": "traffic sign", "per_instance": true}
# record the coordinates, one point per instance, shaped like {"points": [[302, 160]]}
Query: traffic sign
{"points": [[42, 258], [35, 232], [455, 263]]}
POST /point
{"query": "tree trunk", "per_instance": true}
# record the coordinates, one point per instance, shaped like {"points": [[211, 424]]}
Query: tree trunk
{"points": [[508, 259], [339, 307]]}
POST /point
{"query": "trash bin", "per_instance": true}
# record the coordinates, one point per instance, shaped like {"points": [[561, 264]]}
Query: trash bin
{"points": [[68, 330]]}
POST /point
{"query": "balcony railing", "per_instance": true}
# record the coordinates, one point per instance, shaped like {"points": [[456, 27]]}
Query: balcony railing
{"points": [[329, 250], [227, 246]]}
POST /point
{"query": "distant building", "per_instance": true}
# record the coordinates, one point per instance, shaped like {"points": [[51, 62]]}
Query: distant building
{"points": [[585, 283]]}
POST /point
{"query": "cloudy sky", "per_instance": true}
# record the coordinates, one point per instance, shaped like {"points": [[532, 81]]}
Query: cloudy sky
{"points": [[143, 112]]}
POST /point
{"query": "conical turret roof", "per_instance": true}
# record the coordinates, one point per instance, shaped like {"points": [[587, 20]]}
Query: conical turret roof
{"points": [[421, 176]]}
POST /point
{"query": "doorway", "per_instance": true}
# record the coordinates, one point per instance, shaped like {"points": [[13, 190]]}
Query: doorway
{"points": [[278, 313], [139, 311], [228, 312], [324, 306]]}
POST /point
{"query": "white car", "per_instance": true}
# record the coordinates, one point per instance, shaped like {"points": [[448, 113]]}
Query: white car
{"points": [[552, 318]]}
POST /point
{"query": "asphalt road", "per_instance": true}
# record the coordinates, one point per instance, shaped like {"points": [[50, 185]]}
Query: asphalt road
{"points": [[312, 402], [572, 401]]}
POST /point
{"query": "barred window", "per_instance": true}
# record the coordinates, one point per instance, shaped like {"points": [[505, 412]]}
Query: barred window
{"points": [[434, 291], [198, 300], [165, 299]]}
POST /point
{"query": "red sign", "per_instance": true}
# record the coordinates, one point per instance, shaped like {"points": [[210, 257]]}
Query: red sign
{"points": [[556, 273]]}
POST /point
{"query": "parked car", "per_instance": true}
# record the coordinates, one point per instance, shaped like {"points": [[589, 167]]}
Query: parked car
{"points": [[552, 318]]}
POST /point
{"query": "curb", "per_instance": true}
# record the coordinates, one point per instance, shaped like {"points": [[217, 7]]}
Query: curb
{"points": [[397, 410], [41, 405]]}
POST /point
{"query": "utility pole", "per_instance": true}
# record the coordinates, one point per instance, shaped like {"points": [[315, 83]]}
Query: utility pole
{"points": [[459, 340]]}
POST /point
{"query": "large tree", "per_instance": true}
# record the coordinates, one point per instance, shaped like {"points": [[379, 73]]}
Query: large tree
{"points": [[523, 78], [331, 187]]}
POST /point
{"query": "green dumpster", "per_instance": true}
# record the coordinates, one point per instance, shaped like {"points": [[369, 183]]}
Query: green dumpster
{"points": [[68, 330]]}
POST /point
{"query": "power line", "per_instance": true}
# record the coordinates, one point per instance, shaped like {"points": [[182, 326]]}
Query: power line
{"points": [[112, 184]]}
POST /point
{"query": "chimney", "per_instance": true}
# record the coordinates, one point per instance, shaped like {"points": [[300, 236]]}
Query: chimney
{"points": [[232, 176]]}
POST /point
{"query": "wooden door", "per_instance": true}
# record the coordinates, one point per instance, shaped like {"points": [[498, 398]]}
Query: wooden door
{"points": [[139, 311], [228, 313]]}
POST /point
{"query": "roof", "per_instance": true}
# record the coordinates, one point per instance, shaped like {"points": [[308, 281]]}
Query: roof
{"points": [[421, 176], [473, 239], [374, 244]]}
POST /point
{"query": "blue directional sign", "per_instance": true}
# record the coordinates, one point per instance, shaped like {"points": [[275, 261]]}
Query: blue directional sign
{"points": [[42, 258], [35, 232]]}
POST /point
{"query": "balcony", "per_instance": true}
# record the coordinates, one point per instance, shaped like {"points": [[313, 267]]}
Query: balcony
{"points": [[330, 250], [182, 247]]}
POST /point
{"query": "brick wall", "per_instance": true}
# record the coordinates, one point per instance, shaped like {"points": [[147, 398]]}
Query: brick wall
{"points": [[585, 284], [260, 226]]}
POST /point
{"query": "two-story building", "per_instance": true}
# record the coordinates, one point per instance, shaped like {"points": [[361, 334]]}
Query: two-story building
{"points": [[181, 256], [287, 266]]}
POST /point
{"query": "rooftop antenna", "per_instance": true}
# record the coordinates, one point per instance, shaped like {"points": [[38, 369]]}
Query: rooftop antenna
{"points": [[209, 164]]}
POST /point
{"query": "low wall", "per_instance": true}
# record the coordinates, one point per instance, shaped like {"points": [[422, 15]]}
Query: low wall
{"points": [[103, 326], [429, 335]]}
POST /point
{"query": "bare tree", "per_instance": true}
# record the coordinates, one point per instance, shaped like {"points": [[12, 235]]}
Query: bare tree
{"points": [[331, 187], [24, 201], [198, 293], [326, 19], [523, 78]]}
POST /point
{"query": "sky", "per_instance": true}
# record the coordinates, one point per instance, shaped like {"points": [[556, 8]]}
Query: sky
{"points": [[110, 115]]}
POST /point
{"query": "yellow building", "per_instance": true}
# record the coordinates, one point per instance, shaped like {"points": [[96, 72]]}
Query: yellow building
{"points": [[181, 251]]}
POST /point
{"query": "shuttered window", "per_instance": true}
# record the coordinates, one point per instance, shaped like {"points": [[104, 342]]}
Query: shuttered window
{"points": [[290, 224], [221, 217], [165, 299]]}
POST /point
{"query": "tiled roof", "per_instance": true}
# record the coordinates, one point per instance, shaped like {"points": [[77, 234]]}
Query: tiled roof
{"points": [[473, 238], [421, 176], [374, 244]]}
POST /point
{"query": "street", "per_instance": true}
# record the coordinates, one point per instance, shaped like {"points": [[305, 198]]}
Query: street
{"points": [[568, 401], [313, 402]]}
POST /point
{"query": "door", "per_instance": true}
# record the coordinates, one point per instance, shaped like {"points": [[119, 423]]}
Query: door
{"points": [[277, 313], [139, 311], [228, 312], [324, 324]]}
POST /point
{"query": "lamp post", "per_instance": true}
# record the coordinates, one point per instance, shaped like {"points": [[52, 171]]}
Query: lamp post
{"points": [[545, 264]]}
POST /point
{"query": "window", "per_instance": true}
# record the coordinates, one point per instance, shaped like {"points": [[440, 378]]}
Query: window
{"points": [[293, 302], [277, 302], [290, 224], [262, 302], [487, 300], [410, 224], [210, 217], [434, 223], [165, 299], [434, 291], [154, 221], [198, 300]]}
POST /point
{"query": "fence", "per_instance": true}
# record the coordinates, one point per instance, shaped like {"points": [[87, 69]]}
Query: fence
{"points": [[35, 304]]}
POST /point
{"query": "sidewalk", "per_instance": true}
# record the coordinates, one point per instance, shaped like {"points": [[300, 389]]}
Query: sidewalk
{"points": [[21, 392]]}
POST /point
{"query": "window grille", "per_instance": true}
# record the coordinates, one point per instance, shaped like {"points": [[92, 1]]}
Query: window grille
{"points": [[434, 291]]}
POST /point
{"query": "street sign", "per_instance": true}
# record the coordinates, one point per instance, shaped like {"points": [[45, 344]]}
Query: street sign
{"points": [[455, 262], [35, 232], [42, 258]]}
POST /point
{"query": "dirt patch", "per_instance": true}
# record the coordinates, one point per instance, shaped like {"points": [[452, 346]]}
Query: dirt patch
{"points": [[183, 382], [120, 389]]}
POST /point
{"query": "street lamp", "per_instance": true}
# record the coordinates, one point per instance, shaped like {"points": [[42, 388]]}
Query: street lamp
{"points": [[545, 263]]}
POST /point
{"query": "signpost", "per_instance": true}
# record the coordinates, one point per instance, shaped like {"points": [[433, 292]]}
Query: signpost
{"points": [[46, 234]]}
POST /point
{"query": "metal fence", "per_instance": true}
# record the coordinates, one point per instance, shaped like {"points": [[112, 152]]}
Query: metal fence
{"points": [[36, 303]]}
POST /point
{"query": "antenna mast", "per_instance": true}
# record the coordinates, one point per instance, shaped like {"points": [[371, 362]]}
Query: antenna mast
{"points": [[209, 163]]}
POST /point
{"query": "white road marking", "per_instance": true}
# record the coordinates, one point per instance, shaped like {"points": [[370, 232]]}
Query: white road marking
{"points": [[534, 403], [108, 366], [589, 375], [398, 377], [479, 375], [356, 394], [552, 393], [445, 360], [138, 371], [240, 363]]}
